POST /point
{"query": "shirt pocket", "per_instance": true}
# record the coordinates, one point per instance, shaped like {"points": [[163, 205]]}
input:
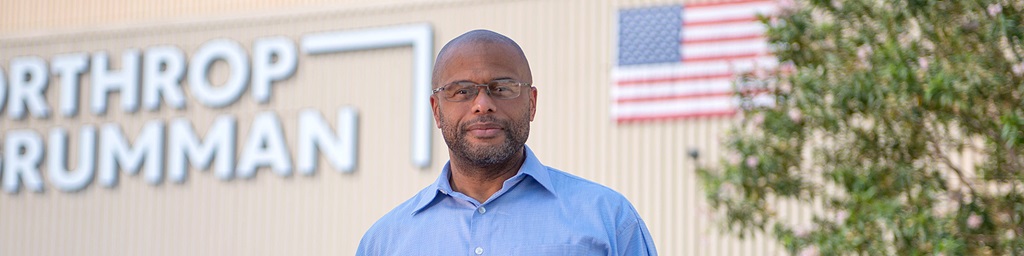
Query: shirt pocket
{"points": [[555, 250]]}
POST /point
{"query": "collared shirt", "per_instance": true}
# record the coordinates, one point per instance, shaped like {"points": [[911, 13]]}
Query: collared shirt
{"points": [[539, 211]]}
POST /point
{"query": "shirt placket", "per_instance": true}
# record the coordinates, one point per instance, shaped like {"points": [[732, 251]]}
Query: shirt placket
{"points": [[481, 240], [483, 220]]}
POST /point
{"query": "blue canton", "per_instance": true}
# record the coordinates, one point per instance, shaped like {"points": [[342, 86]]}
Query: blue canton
{"points": [[650, 35]]}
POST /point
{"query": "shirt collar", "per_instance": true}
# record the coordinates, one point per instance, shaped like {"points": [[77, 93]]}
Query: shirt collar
{"points": [[531, 167]]}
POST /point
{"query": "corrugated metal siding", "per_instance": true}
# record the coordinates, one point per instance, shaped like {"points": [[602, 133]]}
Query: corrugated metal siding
{"points": [[64, 15], [569, 44]]}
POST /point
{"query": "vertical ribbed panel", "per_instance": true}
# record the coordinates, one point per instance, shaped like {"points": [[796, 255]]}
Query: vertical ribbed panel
{"points": [[569, 45], [62, 15]]}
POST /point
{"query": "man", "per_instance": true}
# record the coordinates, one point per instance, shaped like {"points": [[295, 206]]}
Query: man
{"points": [[494, 197]]}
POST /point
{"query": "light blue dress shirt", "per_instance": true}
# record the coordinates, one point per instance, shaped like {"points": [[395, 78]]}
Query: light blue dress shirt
{"points": [[539, 211]]}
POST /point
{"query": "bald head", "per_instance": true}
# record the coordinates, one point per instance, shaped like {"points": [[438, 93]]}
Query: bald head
{"points": [[475, 41]]}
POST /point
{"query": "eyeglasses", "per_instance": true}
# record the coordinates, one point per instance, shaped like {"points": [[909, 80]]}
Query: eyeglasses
{"points": [[499, 89]]}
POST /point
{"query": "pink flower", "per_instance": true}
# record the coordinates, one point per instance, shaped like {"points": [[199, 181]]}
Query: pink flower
{"points": [[787, 4], [864, 53], [1018, 69], [752, 161], [973, 221], [841, 217], [923, 62], [994, 9], [809, 251], [796, 115], [785, 87], [757, 119]]}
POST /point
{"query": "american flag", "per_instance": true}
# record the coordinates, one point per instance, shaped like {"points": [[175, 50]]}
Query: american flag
{"points": [[680, 61]]}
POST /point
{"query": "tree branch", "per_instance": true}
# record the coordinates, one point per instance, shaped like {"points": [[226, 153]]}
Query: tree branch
{"points": [[941, 156]]}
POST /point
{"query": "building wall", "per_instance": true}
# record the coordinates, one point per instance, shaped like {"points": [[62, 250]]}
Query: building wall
{"points": [[569, 44]]}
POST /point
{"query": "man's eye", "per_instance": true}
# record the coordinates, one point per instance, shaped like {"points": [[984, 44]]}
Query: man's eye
{"points": [[462, 91]]}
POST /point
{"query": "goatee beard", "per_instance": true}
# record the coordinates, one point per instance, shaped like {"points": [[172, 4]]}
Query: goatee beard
{"points": [[516, 134]]}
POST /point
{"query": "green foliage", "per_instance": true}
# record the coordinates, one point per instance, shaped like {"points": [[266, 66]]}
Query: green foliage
{"points": [[902, 119]]}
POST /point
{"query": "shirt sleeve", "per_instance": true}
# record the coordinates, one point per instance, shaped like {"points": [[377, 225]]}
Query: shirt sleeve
{"points": [[635, 239], [369, 245], [365, 248]]}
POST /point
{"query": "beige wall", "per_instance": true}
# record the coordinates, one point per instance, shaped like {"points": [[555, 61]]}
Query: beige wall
{"points": [[569, 45]]}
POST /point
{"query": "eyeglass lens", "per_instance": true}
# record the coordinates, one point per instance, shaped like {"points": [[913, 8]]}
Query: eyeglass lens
{"points": [[463, 91]]}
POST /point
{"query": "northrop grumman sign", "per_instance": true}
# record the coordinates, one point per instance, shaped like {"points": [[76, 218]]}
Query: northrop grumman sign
{"points": [[152, 77]]}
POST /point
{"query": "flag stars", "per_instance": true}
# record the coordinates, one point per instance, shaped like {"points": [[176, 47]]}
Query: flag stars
{"points": [[649, 35]]}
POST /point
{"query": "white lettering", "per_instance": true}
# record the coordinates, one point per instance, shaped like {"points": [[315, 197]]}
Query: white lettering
{"points": [[264, 71], [199, 67], [69, 67], [29, 80], [126, 81], [265, 147], [340, 149], [162, 71], [183, 143], [115, 151], [23, 152], [158, 80], [70, 181]]}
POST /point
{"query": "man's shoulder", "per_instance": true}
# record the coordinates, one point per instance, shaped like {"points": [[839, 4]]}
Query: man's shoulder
{"points": [[406, 209], [400, 214], [387, 226], [572, 186], [590, 198]]}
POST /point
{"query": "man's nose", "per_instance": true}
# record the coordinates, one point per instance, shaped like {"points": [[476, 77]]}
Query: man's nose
{"points": [[483, 103]]}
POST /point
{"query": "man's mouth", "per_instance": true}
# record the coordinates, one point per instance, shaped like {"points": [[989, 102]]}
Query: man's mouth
{"points": [[484, 130]]}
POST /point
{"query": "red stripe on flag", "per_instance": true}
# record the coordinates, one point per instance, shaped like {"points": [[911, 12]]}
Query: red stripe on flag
{"points": [[722, 39], [721, 3], [724, 57], [675, 97], [750, 19], [691, 96], [637, 118], [671, 79]]}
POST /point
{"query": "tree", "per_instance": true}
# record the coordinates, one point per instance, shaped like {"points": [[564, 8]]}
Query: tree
{"points": [[901, 119]]}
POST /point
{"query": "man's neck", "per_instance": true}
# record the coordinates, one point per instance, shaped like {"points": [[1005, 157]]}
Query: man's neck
{"points": [[480, 182]]}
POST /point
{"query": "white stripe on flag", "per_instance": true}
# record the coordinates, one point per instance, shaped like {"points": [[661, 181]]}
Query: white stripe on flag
{"points": [[709, 50], [672, 89], [724, 30], [679, 107], [700, 13], [687, 69]]}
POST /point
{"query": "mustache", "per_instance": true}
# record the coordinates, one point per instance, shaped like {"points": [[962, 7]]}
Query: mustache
{"points": [[484, 119]]}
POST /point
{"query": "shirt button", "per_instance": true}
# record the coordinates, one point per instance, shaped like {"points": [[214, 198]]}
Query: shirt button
{"points": [[479, 251], [482, 210]]}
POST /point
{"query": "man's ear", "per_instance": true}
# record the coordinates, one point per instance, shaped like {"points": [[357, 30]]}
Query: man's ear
{"points": [[435, 108], [533, 102]]}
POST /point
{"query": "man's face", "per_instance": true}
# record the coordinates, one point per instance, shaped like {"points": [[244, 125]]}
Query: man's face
{"points": [[485, 130]]}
